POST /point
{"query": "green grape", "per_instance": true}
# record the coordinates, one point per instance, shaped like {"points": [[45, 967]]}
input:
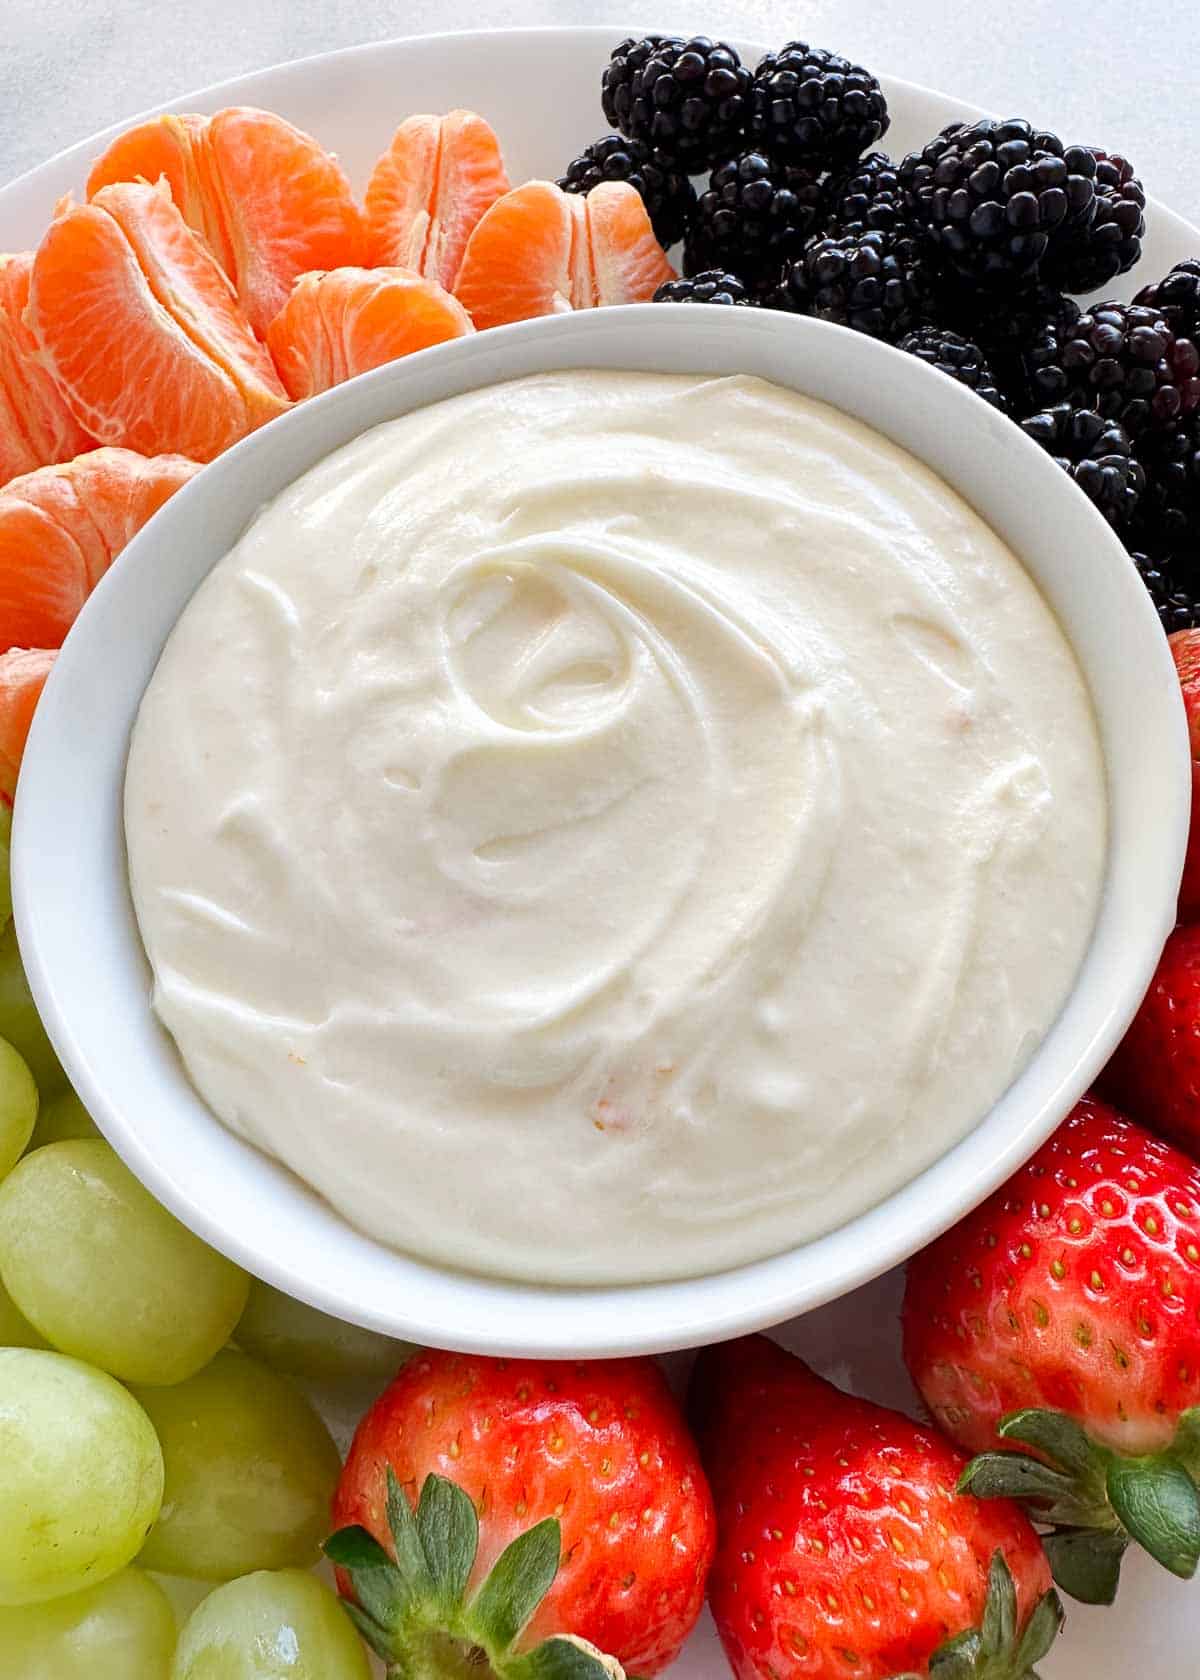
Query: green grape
{"points": [[15, 1329], [82, 1479], [18, 1106], [293, 1337], [19, 1022], [105, 1273], [63, 1117], [182, 1594], [121, 1630], [250, 1473], [283, 1626]]}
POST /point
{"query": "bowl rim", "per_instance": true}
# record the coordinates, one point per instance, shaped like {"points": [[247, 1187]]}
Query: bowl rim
{"points": [[495, 1315]]}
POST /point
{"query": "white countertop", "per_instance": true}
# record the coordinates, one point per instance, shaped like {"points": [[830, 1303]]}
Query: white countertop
{"points": [[1128, 83]]}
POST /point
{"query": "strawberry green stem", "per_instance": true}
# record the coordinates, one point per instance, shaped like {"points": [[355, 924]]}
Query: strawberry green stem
{"points": [[413, 1607], [1097, 1502]]}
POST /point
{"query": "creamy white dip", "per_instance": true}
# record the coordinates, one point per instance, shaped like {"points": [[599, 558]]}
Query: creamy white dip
{"points": [[611, 826]]}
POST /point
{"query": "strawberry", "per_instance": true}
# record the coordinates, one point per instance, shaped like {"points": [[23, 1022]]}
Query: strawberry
{"points": [[845, 1552], [501, 1504], [1185, 650], [1062, 1319], [1155, 1074]]}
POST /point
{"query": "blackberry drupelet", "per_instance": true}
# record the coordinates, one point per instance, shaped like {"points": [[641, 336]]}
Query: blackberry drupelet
{"points": [[1173, 586], [991, 197], [959, 358], [714, 286], [1177, 298], [876, 283], [867, 197], [688, 99], [665, 189], [754, 217], [1089, 254], [1098, 455], [812, 107], [1121, 359], [1006, 329], [1171, 459]]}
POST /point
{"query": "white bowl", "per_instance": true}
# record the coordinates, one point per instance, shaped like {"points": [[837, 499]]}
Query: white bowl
{"points": [[84, 957]]}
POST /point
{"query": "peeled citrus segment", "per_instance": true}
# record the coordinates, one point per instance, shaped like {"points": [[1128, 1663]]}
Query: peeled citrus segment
{"points": [[345, 322], [628, 263], [517, 263], [141, 331], [428, 191], [169, 148], [23, 673], [540, 251], [269, 200], [36, 426], [62, 527]]}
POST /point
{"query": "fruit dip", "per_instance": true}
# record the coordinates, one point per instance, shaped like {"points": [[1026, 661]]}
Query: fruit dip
{"points": [[613, 826]]}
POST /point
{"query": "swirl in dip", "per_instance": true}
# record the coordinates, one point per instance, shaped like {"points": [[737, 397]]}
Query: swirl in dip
{"points": [[612, 826]]}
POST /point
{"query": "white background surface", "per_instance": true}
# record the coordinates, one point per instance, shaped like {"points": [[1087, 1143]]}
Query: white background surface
{"points": [[68, 67], [1116, 73]]}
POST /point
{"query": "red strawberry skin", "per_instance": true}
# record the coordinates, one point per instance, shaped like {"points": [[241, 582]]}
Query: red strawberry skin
{"points": [[1155, 1073], [844, 1549], [1075, 1288], [1185, 650], [600, 1445]]}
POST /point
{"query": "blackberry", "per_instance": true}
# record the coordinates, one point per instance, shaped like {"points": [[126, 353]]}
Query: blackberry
{"points": [[957, 357], [1094, 251], [710, 287], [1177, 298], [991, 196], [1098, 455], [754, 217], [1173, 586], [867, 197], [1171, 459], [876, 283], [1121, 359], [1006, 328], [812, 107], [665, 189], [688, 99]]}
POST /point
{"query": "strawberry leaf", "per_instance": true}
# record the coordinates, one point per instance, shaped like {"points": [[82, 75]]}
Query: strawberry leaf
{"points": [[1014, 1475], [1041, 1631], [377, 1584], [1186, 1445], [410, 1555], [1086, 1562], [994, 1650], [564, 1658], [519, 1580], [448, 1530], [999, 1627], [1056, 1436], [1158, 1503]]}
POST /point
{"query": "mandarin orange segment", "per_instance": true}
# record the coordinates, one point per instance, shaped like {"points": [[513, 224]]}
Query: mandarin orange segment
{"points": [[517, 263], [428, 191], [62, 527], [139, 328], [287, 203], [350, 320], [268, 199], [169, 148], [539, 251], [23, 673], [36, 426], [628, 263]]}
